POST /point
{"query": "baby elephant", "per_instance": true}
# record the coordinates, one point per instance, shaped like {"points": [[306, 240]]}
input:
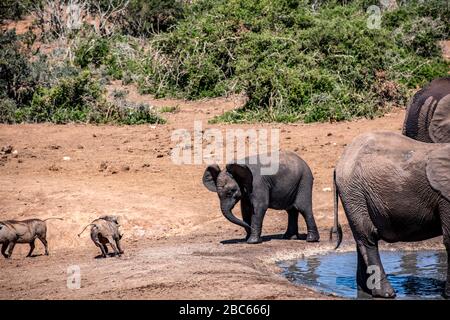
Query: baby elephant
{"points": [[289, 188], [26, 231], [105, 230]]}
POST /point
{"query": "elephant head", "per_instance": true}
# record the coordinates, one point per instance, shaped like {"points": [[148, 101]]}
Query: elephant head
{"points": [[230, 186], [428, 114], [440, 123]]}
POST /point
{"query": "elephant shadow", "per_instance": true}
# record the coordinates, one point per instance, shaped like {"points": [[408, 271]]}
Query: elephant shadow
{"points": [[265, 238]]}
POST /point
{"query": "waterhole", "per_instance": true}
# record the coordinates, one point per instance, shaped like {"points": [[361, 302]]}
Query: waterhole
{"points": [[414, 275]]}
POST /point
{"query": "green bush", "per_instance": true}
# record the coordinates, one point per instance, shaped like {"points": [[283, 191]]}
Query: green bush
{"points": [[16, 78], [13, 9], [92, 50], [295, 63], [8, 109], [145, 17], [81, 99]]}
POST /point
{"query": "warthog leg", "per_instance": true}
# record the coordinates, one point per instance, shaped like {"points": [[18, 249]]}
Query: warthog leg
{"points": [[4, 246], [44, 242], [113, 246], [119, 247], [32, 246], [11, 248]]}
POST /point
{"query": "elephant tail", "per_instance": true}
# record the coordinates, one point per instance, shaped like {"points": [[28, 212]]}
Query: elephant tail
{"points": [[337, 229]]}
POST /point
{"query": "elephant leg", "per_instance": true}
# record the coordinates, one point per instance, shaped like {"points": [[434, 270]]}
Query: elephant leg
{"points": [[292, 228], [447, 247], [370, 276], [11, 248], [4, 247], [247, 210], [257, 222], [444, 210], [303, 203], [105, 248], [32, 246]]}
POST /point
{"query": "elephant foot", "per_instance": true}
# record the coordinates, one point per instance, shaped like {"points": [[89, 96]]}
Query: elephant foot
{"points": [[254, 240], [313, 236], [385, 291], [446, 293], [291, 236]]}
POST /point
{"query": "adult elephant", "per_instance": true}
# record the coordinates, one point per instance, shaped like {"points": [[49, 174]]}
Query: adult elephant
{"points": [[392, 188], [428, 114], [290, 189]]}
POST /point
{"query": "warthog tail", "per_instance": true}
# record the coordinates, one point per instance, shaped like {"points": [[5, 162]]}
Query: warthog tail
{"points": [[90, 224], [52, 218]]}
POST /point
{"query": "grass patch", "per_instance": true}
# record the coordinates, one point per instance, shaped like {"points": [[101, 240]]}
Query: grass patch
{"points": [[169, 109]]}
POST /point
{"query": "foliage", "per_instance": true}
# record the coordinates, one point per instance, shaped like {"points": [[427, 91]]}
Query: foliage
{"points": [[13, 9], [295, 62]]}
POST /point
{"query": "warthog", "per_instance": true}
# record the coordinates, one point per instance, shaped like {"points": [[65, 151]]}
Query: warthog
{"points": [[26, 231], [105, 230]]}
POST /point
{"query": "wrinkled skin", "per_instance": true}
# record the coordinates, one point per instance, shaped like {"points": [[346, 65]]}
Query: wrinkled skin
{"points": [[289, 189], [105, 230], [26, 231], [393, 188], [428, 114]]}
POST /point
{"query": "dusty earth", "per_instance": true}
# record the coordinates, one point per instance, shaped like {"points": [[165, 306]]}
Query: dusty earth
{"points": [[177, 244]]}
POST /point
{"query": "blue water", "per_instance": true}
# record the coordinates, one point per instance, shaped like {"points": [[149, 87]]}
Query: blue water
{"points": [[414, 275]]}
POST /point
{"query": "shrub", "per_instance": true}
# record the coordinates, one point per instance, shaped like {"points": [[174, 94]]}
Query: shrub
{"points": [[16, 80], [92, 50], [81, 99], [71, 100], [295, 62], [13, 9], [8, 109], [144, 17]]}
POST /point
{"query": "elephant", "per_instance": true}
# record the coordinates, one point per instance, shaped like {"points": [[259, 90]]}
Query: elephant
{"points": [[392, 188], [26, 231], [105, 230], [290, 189], [428, 114]]}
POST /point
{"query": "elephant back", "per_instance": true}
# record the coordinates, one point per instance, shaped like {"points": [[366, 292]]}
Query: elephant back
{"points": [[428, 115]]}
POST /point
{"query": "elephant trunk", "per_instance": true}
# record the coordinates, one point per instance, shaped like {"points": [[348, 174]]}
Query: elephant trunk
{"points": [[232, 218]]}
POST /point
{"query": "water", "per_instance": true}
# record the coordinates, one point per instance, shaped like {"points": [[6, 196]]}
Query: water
{"points": [[414, 275]]}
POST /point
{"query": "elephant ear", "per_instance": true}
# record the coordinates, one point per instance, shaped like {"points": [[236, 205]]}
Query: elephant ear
{"points": [[242, 174], [440, 123], [210, 177], [438, 171]]}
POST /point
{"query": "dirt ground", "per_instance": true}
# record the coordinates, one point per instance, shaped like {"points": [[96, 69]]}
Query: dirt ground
{"points": [[177, 244]]}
